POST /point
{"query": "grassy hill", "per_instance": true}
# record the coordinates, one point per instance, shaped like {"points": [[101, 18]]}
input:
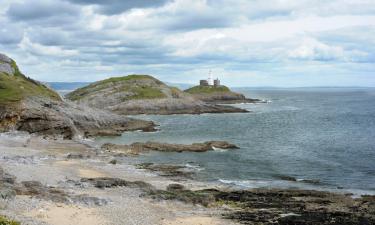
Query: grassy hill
{"points": [[136, 87], [15, 87], [207, 89]]}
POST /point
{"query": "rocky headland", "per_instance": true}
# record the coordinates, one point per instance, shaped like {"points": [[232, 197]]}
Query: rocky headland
{"points": [[219, 95], [143, 94], [28, 105]]}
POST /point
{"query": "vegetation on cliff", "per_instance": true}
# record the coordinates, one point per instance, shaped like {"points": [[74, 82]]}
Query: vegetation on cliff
{"points": [[207, 89], [137, 87], [16, 86], [6, 221]]}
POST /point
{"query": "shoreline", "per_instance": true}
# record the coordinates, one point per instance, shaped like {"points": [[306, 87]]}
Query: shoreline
{"points": [[62, 164]]}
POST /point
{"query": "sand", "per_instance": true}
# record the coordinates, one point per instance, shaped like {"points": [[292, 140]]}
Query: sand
{"points": [[32, 158]]}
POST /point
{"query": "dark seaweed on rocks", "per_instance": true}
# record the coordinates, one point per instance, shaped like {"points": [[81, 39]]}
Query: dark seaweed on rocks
{"points": [[263, 206]]}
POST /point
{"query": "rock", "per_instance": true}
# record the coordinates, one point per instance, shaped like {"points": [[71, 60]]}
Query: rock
{"points": [[263, 206], [89, 201], [6, 68], [166, 170], [7, 193], [77, 156], [273, 206], [138, 147], [109, 182], [6, 65], [7, 182], [175, 187], [67, 120], [113, 161], [9, 188], [143, 94]]}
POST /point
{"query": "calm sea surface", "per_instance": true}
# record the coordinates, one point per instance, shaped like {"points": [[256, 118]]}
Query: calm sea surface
{"points": [[320, 134]]}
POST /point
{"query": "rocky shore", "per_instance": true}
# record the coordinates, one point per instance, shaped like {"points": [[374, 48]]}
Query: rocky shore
{"points": [[50, 175], [54, 181]]}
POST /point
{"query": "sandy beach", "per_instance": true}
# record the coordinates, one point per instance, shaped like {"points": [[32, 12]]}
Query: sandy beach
{"points": [[30, 158]]}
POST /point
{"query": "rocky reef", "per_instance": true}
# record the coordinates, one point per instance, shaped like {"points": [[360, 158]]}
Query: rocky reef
{"points": [[138, 147], [219, 95], [143, 94], [28, 105], [262, 206]]}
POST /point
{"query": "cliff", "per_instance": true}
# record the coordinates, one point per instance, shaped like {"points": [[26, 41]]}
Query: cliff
{"points": [[28, 105], [218, 95], [142, 94]]}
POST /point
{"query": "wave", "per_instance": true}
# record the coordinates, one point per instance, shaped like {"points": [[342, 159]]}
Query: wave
{"points": [[250, 184], [219, 149], [194, 167]]}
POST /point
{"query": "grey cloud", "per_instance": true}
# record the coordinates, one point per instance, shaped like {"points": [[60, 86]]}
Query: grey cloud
{"points": [[41, 9], [10, 34], [111, 7]]}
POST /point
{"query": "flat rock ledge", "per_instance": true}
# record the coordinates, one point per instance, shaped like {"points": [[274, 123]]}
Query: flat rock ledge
{"points": [[55, 119], [261, 206], [9, 188], [138, 147]]}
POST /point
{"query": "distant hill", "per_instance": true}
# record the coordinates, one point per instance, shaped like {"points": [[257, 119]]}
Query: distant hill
{"points": [[142, 94], [66, 86]]}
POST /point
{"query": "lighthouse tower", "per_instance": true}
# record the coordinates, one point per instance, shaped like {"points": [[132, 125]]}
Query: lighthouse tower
{"points": [[210, 80]]}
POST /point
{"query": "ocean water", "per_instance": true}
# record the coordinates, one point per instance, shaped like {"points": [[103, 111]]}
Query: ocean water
{"points": [[323, 137]]}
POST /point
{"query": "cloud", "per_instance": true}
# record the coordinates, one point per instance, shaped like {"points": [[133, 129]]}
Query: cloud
{"points": [[40, 9], [10, 34], [181, 39], [312, 49], [41, 50], [110, 7]]}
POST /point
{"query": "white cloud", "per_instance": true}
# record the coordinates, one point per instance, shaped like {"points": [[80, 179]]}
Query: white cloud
{"points": [[311, 49], [41, 50]]}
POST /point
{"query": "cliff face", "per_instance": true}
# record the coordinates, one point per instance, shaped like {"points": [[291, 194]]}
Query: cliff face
{"points": [[28, 105], [142, 94], [218, 95]]}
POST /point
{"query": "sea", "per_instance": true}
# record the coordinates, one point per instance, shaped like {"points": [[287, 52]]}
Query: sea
{"points": [[308, 138]]}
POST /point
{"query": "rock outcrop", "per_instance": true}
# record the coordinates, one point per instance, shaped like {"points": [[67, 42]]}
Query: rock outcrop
{"points": [[28, 105], [139, 147], [142, 94], [7, 65], [218, 95], [262, 206]]}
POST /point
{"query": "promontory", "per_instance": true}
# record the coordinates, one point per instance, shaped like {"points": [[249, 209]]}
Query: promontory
{"points": [[28, 105], [143, 94]]}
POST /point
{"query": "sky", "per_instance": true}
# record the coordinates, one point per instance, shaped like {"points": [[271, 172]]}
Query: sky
{"points": [[284, 43]]}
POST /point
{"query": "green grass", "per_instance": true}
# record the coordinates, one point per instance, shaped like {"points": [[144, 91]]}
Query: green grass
{"points": [[5, 221], [16, 69], [145, 93], [140, 92], [207, 89], [18, 87]]}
